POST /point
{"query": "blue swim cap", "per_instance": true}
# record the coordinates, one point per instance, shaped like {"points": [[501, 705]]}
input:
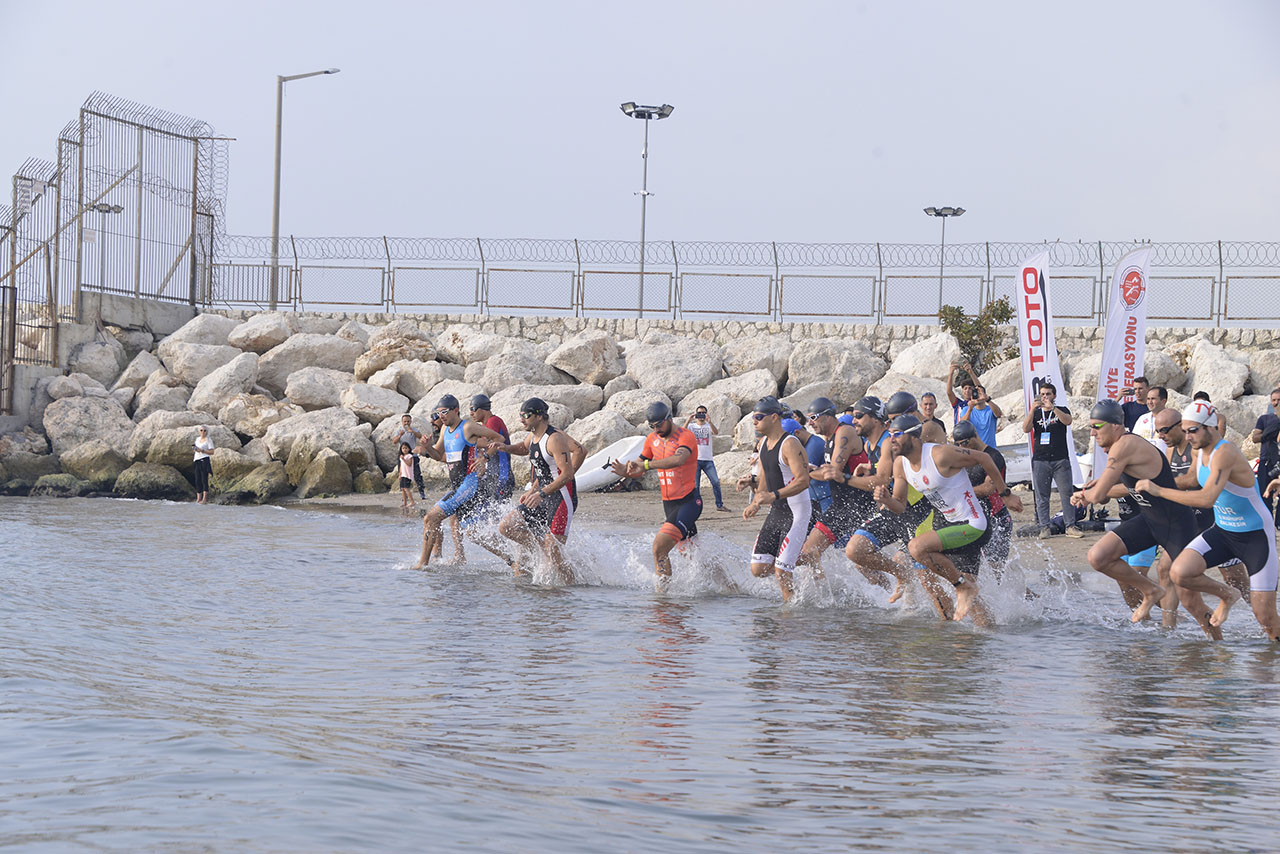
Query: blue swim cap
{"points": [[790, 425], [847, 418]]}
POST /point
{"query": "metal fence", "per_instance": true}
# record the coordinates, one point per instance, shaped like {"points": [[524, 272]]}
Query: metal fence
{"points": [[1214, 283]]}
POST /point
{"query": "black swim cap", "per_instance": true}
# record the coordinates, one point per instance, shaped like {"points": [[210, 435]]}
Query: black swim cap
{"points": [[768, 406], [900, 402], [905, 424], [871, 405], [1108, 411], [822, 406], [534, 406], [481, 401], [447, 402], [964, 432], [657, 412]]}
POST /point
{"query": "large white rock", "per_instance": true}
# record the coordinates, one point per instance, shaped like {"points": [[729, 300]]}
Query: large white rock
{"points": [[73, 421], [193, 362], [124, 397], [64, 387], [600, 429], [415, 379], [891, 382], [354, 330], [306, 350], [1241, 415], [1082, 373], [373, 404], [589, 357], [174, 446], [744, 436], [1264, 371], [721, 411], [102, 360], [463, 345], [732, 465], [931, 357], [514, 368], [675, 366], [1000, 380], [803, 396], [140, 441], [315, 324], [617, 384], [582, 400], [351, 443], [160, 398], [209, 329], [1161, 369], [758, 352], [280, 436], [744, 389], [1216, 371], [218, 388], [317, 388], [844, 363], [400, 330], [326, 474], [137, 371], [389, 350], [632, 405], [261, 332], [252, 414]]}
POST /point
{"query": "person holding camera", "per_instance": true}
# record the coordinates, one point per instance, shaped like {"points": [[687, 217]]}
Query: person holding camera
{"points": [[204, 449], [1051, 449], [703, 429]]}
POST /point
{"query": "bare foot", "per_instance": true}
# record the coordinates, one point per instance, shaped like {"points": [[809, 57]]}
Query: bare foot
{"points": [[966, 596], [1149, 601], [1219, 615], [419, 565], [897, 592], [661, 583], [1211, 630]]}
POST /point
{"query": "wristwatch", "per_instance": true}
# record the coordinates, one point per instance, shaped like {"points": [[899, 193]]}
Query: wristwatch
{"points": [[777, 496], [1006, 492]]}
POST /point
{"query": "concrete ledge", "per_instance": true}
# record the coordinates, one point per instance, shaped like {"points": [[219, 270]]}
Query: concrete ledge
{"points": [[156, 316]]}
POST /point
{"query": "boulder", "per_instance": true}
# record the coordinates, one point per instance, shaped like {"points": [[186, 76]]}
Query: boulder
{"points": [[64, 387], [675, 366], [124, 397], [352, 444], [102, 360], [474, 372], [463, 345], [228, 467], [221, 385], [1013, 404], [589, 357], [582, 400], [140, 441], [154, 481], [744, 389], [999, 381], [892, 382], [1264, 371], [1241, 415], [59, 486], [264, 483], [1216, 371], [631, 405], [389, 350], [744, 435], [1081, 374], [931, 357], [463, 391], [508, 369], [803, 396], [385, 446], [136, 372], [261, 332], [191, 363], [317, 388], [509, 411], [844, 363], [306, 350], [1161, 369], [354, 330], [617, 384], [600, 429], [281, 436], [134, 341], [96, 463], [174, 446], [367, 483], [732, 465], [27, 439], [256, 450], [73, 421], [721, 411], [203, 329], [373, 404], [327, 474], [39, 400], [251, 414], [415, 379], [26, 468], [160, 398], [770, 353], [312, 324]]}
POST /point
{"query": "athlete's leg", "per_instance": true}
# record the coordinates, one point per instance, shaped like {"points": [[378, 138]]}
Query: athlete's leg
{"points": [[515, 528], [431, 535], [1168, 602], [1264, 608], [455, 526], [553, 546], [927, 549], [866, 556], [1107, 556], [1189, 574], [663, 542], [814, 545]]}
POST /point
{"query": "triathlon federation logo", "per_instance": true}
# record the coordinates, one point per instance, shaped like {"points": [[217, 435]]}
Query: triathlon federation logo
{"points": [[1133, 287]]}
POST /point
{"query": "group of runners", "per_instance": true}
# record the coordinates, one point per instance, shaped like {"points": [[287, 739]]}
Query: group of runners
{"points": [[879, 474]]}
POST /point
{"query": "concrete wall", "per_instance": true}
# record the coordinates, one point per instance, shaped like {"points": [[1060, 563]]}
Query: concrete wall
{"points": [[155, 316]]}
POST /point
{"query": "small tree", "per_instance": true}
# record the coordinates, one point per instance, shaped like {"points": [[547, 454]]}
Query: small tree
{"points": [[979, 336]]}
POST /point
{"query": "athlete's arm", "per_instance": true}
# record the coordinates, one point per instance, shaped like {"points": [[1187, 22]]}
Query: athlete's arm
{"points": [[435, 450], [1100, 490], [520, 450], [962, 458], [792, 453], [558, 447], [895, 499], [1220, 467]]}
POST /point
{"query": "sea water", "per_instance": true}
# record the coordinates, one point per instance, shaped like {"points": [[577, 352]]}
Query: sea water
{"points": [[185, 678]]}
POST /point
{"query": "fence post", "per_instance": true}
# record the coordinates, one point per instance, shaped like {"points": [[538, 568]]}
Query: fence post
{"points": [[1222, 290], [990, 289], [777, 283], [79, 220], [676, 294], [578, 299], [878, 312], [483, 308], [388, 280], [137, 257], [1100, 293], [296, 296], [195, 178]]}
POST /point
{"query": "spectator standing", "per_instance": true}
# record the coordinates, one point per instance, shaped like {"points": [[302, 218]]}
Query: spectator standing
{"points": [[1265, 433], [1051, 448], [982, 413], [703, 428], [405, 433], [204, 448], [1157, 399], [1136, 408], [928, 406], [966, 389]]}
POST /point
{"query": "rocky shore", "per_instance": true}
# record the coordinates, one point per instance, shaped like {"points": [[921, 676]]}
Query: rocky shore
{"points": [[305, 405]]}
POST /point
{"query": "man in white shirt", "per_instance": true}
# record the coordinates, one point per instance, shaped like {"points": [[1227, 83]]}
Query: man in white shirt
{"points": [[702, 429], [1157, 399]]}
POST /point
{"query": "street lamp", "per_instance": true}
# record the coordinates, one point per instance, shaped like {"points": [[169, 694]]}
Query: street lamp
{"points": [[275, 199], [640, 111], [943, 213], [103, 209]]}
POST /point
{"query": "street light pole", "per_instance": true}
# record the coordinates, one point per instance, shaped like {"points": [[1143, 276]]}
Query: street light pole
{"points": [[103, 209], [642, 112], [943, 213], [274, 296]]}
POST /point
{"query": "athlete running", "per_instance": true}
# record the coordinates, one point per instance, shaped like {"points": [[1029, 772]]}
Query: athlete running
{"points": [[997, 549], [542, 518], [1242, 528], [782, 478], [673, 451], [456, 446], [954, 551], [849, 504], [1160, 522]]}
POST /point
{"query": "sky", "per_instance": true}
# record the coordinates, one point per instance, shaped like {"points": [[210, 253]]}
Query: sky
{"points": [[799, 121]]}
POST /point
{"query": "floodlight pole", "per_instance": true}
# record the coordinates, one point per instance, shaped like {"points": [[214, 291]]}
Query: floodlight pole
{"points": [[638, 111], [943, 213]]}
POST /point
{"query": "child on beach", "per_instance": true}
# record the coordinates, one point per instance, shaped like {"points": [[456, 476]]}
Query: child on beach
{"points": [[407, 462]]}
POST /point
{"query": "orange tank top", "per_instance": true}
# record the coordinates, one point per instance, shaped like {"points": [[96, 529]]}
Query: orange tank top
{"points": [[675, 482]]}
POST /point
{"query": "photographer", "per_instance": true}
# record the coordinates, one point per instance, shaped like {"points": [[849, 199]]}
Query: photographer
{"points": [[703, 429], [1051, 458]]}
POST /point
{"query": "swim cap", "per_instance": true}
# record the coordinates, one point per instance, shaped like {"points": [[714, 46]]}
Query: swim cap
{"points": [[790, 425], [964, 432], [657, 412], [900, 402], [822, 406], [905, 424], [1201, 412], [872, 406], [481, 401], [534, 406], [1107, 410], [845, 419], [447, 402], [768, 406]]}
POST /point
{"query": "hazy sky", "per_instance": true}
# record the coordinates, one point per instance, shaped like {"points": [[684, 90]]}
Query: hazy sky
{"points": [[799, 121]]}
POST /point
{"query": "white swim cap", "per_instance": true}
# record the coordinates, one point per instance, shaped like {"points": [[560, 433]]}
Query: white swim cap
{"points": [[1200, 412]]}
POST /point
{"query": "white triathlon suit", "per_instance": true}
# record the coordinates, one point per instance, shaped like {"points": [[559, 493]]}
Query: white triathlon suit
{"points": [[784, 530]]}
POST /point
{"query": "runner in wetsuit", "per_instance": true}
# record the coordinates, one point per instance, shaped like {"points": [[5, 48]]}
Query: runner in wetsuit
{"points": [[997, 549], [542, 518], [1161, 522], [849, 506], [1242, 528], [782, 481], [954, 551], [673, 451], [457, 448]]}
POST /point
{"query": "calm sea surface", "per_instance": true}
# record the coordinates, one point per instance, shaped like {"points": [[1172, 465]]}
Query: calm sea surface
{"points": [[182, 678]]}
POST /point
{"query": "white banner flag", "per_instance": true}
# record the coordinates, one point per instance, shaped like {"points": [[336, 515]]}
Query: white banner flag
{"points": [[1038, 347], [1124, 347]]}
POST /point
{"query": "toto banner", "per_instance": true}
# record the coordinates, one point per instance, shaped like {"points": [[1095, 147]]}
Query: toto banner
{"points": [[1035, 335], [1125, 344]]}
